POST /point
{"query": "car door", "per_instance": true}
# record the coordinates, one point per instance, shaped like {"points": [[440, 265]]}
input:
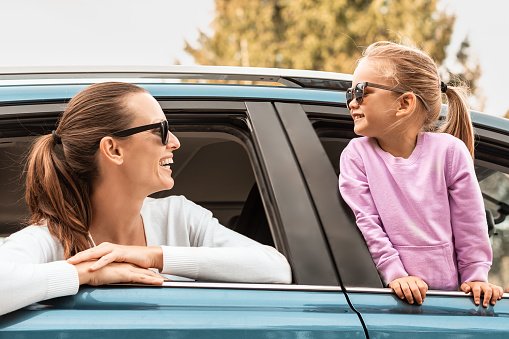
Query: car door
{"points": [[314, 306], [326, 131]]}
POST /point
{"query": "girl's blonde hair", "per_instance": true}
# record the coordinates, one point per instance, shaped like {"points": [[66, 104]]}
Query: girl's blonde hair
{"points": [[410, 68]]}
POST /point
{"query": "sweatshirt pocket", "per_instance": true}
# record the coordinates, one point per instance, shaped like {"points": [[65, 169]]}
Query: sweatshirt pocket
{"points": [[433, 264]]}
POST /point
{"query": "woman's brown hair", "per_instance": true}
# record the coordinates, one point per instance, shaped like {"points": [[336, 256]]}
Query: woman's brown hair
{"points": [[409, 68], [62, 166]]}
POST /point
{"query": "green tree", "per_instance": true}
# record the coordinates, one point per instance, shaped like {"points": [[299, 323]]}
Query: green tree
{"points": [[325, 35]]}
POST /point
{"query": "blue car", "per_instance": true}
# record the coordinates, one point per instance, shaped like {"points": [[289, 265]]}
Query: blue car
{"points": [[259, 148]]}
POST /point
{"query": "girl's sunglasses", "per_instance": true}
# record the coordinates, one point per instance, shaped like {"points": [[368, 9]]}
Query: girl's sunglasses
{"points": [[163, 130], [358, 92]]}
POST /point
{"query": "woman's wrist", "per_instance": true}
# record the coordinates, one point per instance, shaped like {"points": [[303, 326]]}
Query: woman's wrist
{"points": [[157, 257], [83, 272]]}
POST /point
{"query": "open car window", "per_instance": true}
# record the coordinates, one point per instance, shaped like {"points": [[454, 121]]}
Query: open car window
{"points": [[494, 185], [493, 180]]}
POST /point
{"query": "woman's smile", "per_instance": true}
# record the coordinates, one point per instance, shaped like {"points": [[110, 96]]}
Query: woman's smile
{"points": [[165, 163]]}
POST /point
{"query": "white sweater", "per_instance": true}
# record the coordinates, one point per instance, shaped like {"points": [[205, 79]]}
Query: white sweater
{"points": [[195, 245]]}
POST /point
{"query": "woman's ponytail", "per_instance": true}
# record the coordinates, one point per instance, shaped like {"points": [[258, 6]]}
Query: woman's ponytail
{"points": [[62, 166], [56, 197], [458, 121]]}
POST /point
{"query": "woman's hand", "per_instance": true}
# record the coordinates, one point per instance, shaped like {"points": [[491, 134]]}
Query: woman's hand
{"points": [[477, 288], [107, 253], [116, 273], [412, 288]]}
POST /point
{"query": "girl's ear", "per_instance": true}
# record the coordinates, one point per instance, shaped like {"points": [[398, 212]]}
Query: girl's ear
{"points": [[407, 103], [111, 150]]}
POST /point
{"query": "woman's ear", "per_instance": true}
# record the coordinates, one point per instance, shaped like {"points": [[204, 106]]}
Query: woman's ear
{"points": [[407, 103], [111, 150]]}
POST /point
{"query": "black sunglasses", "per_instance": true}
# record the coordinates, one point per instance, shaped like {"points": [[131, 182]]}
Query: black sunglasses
{"points": [[163, 130], [358, 92]]}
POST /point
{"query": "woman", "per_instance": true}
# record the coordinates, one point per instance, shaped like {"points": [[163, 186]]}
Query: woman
{"points": [[87, 185]]}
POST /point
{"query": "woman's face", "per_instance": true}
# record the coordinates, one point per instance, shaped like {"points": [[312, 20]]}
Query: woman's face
{"points": [[147, 162]]}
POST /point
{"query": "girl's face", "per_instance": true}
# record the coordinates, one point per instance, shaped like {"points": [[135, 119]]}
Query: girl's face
{"points": [[377, 113], [147, 162]]}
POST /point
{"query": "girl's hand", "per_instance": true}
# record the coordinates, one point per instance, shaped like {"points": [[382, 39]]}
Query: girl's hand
{"points": [[477, 288], [116, 273], [106, 253], [412, 288]]}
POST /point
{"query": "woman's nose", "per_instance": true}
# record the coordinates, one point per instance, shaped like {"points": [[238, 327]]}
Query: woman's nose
{"points": [[173, 142]]}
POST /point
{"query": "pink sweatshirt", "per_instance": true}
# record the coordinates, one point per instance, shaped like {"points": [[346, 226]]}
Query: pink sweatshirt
{"points": [[422, 216]]}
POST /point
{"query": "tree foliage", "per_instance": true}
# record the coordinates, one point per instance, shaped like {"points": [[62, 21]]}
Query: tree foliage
{"points": [[325, 35], [467, 70]]}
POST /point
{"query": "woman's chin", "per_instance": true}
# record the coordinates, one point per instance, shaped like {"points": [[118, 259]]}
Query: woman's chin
{"points": [[166, 179], [167, 184]]}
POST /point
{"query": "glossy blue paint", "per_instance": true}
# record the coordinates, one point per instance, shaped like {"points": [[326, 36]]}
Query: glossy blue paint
{"points": [[30, 93], [231, 92], [452, 316], [156, 312]]}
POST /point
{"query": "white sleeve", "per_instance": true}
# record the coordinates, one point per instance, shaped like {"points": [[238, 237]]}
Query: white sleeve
{"points": [[24, 284], [220, 254], [30, 272]]}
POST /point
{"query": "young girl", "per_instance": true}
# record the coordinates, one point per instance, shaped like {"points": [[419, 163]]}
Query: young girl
{"points": [[414, 192]]}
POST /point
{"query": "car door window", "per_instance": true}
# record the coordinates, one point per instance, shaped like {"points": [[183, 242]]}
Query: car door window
{"points": [[493, 179], [495, 189]]}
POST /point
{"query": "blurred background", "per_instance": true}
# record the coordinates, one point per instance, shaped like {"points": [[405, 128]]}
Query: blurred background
{"points": [[467, 38]]}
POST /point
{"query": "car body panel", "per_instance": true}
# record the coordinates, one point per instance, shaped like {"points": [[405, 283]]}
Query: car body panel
{"points": [[445, 314], [163, 312]]}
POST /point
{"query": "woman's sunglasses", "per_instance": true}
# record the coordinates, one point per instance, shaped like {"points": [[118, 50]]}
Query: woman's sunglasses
{"points": [[358, 92], [163, 130]]}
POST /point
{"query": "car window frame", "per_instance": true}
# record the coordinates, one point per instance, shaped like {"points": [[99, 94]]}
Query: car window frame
{"points": [[302, 251]]}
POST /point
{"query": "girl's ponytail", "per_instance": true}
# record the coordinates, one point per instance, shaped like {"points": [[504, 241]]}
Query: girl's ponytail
{"points": [[57, 197], [458, 122]]}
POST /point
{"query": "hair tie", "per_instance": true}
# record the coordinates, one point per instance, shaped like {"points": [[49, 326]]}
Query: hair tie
{"points": [[443, 87], [56, 138]]}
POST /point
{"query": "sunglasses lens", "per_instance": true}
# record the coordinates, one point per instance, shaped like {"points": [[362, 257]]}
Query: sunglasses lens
{"points": [[164, 132], [359, 93], [349, 97]]}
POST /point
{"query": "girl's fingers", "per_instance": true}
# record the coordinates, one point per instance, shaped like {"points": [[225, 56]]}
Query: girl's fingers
{"points": [[500, 291], [487, 294], [416, 292], [465, 287], [476, 291], [397, 289], [407, 292], [423, 288], [496, 294]]}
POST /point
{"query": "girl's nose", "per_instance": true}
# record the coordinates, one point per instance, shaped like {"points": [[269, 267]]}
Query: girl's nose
{"points": [[173, 142], [353, 104]]}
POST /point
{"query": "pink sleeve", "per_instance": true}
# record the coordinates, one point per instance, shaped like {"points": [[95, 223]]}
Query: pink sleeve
{"points": [[468, 217], [354, 188]]}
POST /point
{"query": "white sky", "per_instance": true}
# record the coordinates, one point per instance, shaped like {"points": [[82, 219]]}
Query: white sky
{"points": [[152, 32]]}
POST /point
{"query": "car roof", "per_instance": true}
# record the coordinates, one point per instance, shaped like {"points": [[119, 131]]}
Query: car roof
{"points": [[30, 93], [60, 83]]}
